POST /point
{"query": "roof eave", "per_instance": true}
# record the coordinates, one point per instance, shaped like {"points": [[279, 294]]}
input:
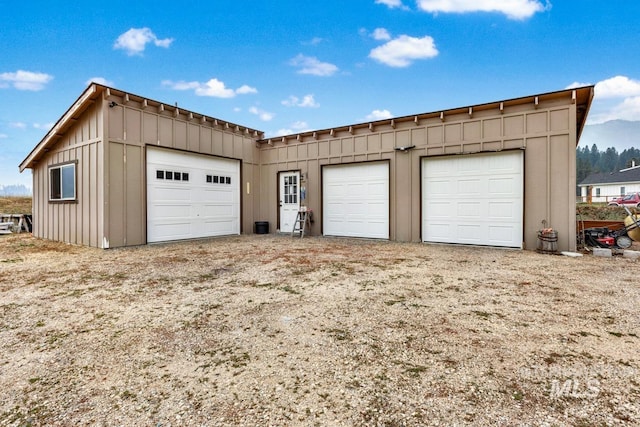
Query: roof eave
{"points": [[582, 109], [50, 138], [581, 96]]}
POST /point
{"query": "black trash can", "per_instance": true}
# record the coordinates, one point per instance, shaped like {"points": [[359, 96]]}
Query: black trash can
{"points": [[262, 227]]}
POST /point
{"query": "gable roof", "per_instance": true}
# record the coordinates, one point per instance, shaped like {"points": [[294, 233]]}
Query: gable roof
{"points": [[86, 99], [619, 177], [63, 123]]}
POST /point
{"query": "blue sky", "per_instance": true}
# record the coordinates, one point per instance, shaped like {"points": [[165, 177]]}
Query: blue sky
{"points": [[289, 66]]}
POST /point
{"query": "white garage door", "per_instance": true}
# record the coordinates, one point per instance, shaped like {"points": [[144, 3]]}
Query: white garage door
{"points": [[356, 200], [191, 195], [473, 199]]}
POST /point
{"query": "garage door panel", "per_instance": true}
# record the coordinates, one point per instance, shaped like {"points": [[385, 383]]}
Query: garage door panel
{"points": [[171, 194], [440, 231], [439, 186], [356, 188], [378, 189], [205, 204], [356, 200], [440, 209], [501, 233], [175, 211], [219, 196], [376, 209], [468, 209], [466, 187], [469, 232], [218, 226], [219, 211], [506, 186], [174, 231], [479, 203], [498, 166], [339, 190], [501, 210]]}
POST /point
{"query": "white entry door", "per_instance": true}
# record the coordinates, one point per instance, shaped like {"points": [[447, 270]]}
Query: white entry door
{"points": [[289, 200]]}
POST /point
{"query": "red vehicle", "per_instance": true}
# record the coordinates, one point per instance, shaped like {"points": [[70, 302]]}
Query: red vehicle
{"points": [[632, 199]]}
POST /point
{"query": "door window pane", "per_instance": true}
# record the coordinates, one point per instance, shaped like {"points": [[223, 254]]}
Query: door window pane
{"points": [[290, 189]]}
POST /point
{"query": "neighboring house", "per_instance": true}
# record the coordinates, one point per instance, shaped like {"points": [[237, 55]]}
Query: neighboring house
{"points": [[119, 169], [602, 187]]}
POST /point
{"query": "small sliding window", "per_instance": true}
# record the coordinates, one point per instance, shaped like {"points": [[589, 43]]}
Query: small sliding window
{"points": [[62, 180]]}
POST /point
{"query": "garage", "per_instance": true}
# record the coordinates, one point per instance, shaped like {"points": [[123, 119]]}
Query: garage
{"points": [[191, 195], [473, 199], [356, 200], [155, 172]]}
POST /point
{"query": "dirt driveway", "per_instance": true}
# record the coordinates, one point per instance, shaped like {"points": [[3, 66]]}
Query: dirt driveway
{"points": [[268, 330]]}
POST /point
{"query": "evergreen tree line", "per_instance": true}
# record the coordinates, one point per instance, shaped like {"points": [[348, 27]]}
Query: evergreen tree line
{"points": [[592, 160]]}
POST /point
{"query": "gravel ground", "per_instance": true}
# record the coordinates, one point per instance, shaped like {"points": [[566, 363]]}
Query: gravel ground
{"points": [[269, 330]]}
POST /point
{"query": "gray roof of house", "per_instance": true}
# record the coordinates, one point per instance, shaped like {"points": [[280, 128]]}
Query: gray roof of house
{"points": [[624, 176]]}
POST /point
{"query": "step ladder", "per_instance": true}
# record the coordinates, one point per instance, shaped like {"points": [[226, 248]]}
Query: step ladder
{"points": [[302, 223]]}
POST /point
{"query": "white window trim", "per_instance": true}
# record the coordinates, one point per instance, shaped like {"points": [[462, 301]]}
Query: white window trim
{"points": [[62, 166]]}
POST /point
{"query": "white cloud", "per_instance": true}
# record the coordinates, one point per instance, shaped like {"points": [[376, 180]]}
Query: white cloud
{"points": [[391, 4], [23, 126], [100, 81], [381, 34], [282, 132], [134, 41], [213, 88], [307, 101], [25, 80], [314, 41], [265, 116], [245, 89], [615, 98], [617, 87], [513, 9], [182, 85], [379, 115], [291, 101], [45, 126], [300, 126], [313, 66], [577, 84], [3, 136], [628, 109], [403, 50], [295, 127]]}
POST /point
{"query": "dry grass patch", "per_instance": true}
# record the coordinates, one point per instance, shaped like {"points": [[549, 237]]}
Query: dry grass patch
{"points": [[268, 330], [15, 205]]}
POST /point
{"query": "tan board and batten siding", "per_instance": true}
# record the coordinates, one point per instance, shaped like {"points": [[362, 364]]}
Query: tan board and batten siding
{"points": [[545, 128], [81, 222], [110, 209]]}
